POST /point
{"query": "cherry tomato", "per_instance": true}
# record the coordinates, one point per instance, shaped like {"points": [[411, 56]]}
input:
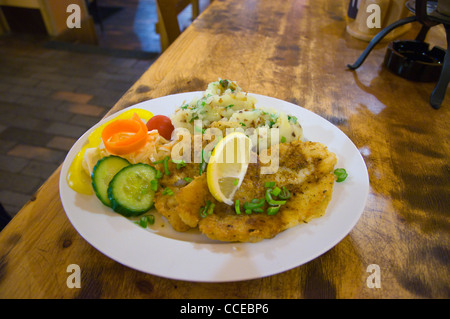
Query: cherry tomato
{"points": [[161, 123]]}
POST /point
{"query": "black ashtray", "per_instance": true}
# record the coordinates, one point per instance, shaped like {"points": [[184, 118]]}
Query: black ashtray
{"points": [[413, 60]]}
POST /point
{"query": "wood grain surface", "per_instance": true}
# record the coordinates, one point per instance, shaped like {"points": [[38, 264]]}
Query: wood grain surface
{"points": [[294, 50]]}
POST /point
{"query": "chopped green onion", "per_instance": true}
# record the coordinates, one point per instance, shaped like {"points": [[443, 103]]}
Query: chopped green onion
{"points": [[276, 191], [146, 220], [236, 207], [208, 209], [341, 174], [166, 165], [167, 191], [283, 139], [150, 219], [203, 209], [154, 185], [165, 161], [194, 117], [211, 208], [274, 116], [273, 210], [158, 174], [269, 184], [142, 222], [292, 119], [179, 163], [254, 206], [202, 164], [255, 203], [285, 193], [188, 179], [158, 162], [271, 201], [271, 123], [236, 182]]}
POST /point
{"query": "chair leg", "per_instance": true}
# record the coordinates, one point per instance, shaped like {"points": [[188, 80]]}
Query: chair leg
{"points": [[378, 38], [441, 87], [195, 9], [96, 12]]}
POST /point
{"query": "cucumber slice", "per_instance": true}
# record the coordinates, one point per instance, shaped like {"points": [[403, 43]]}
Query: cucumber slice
{"points": [[130, 190], [102, 174]]}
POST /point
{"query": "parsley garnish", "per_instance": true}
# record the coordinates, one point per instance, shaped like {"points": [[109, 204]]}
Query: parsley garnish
{"points": [[194, 117], [292, 119]]}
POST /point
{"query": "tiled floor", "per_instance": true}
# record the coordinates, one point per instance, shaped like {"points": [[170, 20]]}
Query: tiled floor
{"points": [[49, 98]]}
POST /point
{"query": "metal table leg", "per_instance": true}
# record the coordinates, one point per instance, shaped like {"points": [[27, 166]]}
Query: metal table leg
{"points": [[441, 87]]}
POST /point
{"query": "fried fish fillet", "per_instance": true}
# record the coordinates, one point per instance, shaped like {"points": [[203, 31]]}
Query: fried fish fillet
{"points": [[167, 204], [305, 169], [309, 203]]}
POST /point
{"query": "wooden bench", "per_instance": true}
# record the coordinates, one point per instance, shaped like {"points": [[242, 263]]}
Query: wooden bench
{"points": [[54, 15]]}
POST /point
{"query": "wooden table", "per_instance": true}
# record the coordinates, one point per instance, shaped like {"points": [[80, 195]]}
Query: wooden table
{"points": [[295, 50]]}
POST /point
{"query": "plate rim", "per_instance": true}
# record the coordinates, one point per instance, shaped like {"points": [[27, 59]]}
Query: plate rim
{"points": [[63, 188]]}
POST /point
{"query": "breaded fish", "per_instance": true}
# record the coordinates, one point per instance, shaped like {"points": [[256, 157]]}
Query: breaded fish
{"points": [[305, 169], [167, 203]]}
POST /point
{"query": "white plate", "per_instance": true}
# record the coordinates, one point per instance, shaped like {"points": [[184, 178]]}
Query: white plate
{"points": [[191, 256]]}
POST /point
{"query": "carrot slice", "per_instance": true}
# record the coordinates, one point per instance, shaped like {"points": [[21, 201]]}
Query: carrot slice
{"points": [[125, 136]]}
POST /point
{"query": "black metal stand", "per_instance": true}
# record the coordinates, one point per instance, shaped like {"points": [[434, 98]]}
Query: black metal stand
{"points": [[377, 39], [427, 21], [441, 87]]}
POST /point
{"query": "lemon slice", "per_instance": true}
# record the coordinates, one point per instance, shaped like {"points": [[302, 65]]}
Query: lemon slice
{"points": [[227, 166]]}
